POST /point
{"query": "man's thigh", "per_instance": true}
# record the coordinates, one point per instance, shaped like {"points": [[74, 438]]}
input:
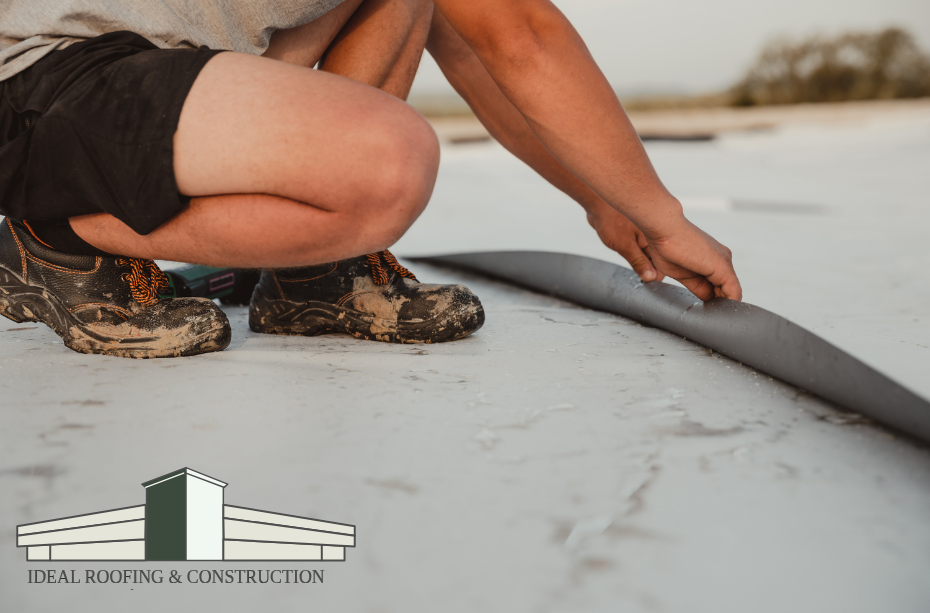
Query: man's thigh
{"points": [[256, 125]]}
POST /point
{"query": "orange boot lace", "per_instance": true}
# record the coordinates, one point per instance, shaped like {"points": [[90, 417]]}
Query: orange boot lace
{"points": [[146, 280], [378, 271]]}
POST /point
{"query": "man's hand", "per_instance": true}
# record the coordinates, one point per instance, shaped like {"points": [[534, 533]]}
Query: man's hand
{"points": [[688, 254], [692, 257], [618, 233]]}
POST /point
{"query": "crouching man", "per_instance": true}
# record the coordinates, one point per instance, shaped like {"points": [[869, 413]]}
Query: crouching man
{"points": [[126, 136], [114, 145]]}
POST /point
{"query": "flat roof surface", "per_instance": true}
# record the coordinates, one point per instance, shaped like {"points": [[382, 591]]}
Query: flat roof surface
{"points": [[560, 459]]}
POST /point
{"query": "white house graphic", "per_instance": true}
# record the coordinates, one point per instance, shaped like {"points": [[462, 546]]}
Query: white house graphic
{"points": [[185, 518]]}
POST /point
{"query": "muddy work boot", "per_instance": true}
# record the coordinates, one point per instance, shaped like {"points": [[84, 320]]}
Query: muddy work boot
{"points": [[102, 305], [370, 297]]}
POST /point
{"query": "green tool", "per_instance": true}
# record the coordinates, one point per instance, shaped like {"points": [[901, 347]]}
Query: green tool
{"points": [[231, 285]]}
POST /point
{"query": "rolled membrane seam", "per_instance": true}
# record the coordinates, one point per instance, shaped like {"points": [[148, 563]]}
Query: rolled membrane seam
{"points": [[739, 330]]}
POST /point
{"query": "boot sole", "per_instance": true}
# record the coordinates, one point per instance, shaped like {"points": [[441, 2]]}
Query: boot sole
{"points": [[21, 302], [318, 318]]}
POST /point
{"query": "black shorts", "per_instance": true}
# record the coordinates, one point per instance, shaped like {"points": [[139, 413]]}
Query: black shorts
{"points": [[90, 129]]}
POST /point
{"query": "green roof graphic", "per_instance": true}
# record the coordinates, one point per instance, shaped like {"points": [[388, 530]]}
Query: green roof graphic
{"points": [[185, 518]]}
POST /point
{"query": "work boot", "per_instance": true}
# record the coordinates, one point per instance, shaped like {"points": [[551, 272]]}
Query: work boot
{"points": [[370, 297], [100, 304]]}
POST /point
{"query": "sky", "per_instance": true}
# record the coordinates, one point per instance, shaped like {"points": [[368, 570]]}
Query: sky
{"points": [[686, 46]]}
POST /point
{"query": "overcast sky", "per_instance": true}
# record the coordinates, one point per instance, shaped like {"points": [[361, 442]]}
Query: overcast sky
{"points": [[690, 46]]}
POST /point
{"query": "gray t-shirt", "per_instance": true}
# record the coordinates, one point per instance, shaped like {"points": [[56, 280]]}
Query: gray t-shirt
{"points": [[31, 29]]}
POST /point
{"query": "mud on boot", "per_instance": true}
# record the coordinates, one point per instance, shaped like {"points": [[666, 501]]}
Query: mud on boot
{"points": [[370, 297], [103, 305]]}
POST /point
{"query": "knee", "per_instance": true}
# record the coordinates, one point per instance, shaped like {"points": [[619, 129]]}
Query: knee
{"points": [[410, 173], [406, 174]]}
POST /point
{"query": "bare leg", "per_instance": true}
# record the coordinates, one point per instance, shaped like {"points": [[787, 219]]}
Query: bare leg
{"points": [[381, 44], [400, 79], [314, 167], [364, 53]]}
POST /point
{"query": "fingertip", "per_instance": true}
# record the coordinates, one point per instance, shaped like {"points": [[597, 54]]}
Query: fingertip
{"points": [[647, 275], [736, 297], [734, 292]]}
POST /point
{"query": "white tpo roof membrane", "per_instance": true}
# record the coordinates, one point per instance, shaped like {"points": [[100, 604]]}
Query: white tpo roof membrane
{"points": [[560, 459]]}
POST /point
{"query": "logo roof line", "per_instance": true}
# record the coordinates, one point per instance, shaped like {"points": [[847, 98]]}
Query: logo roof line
{"points": [[33, 523], [142, 540], [106, 523], [288, 543], [324, 521]]}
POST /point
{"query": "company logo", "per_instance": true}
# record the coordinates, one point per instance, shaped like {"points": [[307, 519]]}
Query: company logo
{"points": [[185, 518]]}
